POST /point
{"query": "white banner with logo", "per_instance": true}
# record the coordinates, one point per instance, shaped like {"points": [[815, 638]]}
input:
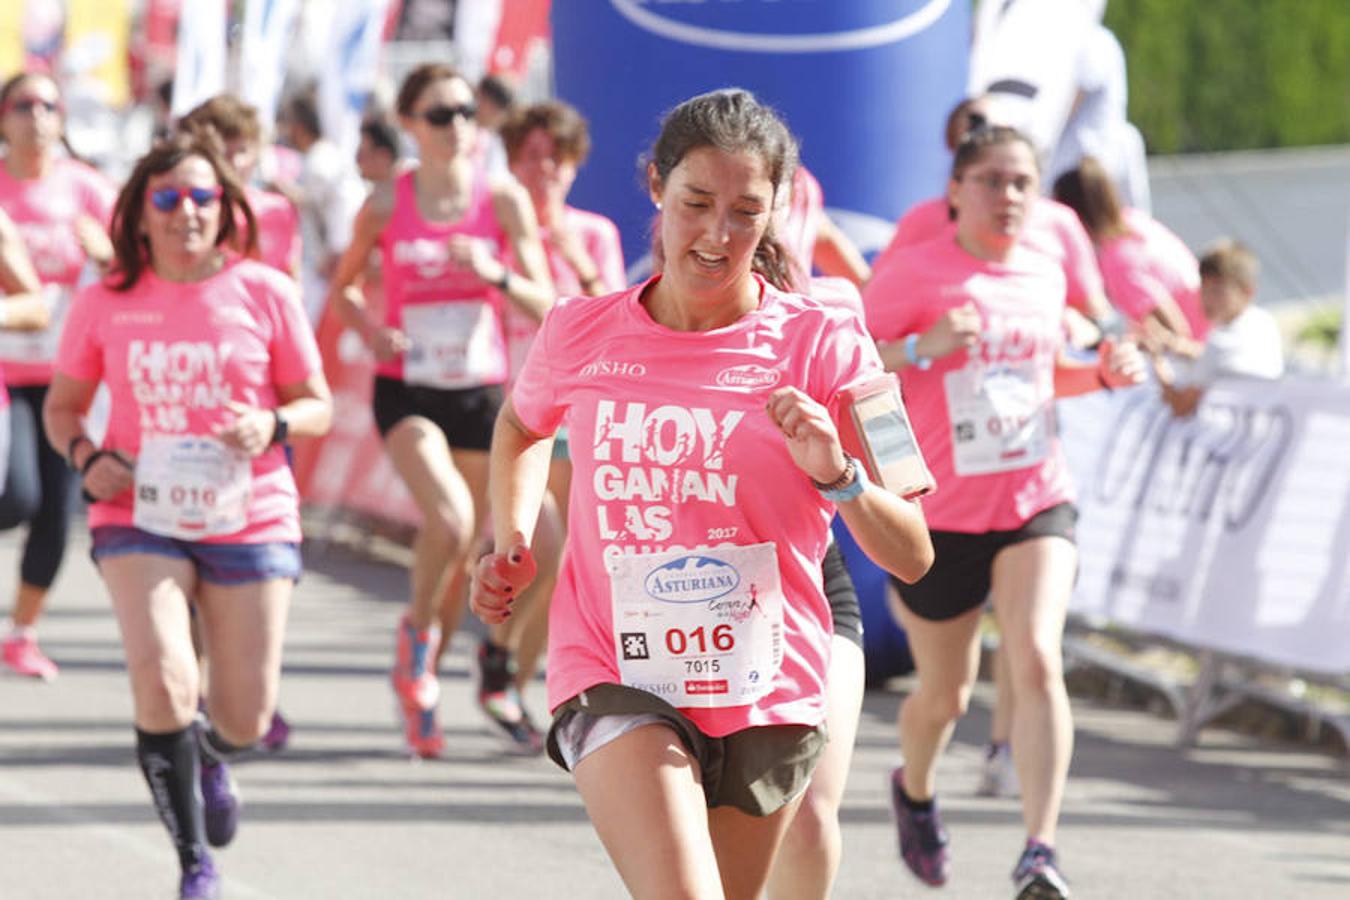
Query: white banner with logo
{"points": [[1229, 531], [350, 68], [264, 54], [200, 70]]}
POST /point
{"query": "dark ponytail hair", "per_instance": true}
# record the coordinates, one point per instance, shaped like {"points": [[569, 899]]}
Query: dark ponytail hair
{"points": [[12, 84], [977, 140], [1088, 191], [964, 118], [733, 121], [131, 255]]}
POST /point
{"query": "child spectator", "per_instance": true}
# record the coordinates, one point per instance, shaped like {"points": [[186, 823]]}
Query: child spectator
{"points": [[1243, 341]]}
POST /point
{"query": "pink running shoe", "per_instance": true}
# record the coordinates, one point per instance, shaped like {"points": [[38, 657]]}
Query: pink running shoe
{"points": [[417, 688], [22, 654], [278, 734]]}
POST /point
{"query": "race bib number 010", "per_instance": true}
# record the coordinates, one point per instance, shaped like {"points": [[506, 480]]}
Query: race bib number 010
{"points": [[1002, 418], [191, 487], [699, 629], [453, 345]]}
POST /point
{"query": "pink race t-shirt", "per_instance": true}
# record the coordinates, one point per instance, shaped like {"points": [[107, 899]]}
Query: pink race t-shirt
{"points": [[278, 230], [418, 271], [840, 293], [45, 210], [1147, 262], [800, 223], [600, 236], [1051, 229], [984, 416], [922, 222], [173, 354], [672, 451]]}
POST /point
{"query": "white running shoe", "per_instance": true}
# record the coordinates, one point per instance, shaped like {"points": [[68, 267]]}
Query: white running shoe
{"points": [[998, 777]]}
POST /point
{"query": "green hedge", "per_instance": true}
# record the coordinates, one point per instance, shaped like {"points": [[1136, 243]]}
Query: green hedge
{"points": [[1210, 75]]}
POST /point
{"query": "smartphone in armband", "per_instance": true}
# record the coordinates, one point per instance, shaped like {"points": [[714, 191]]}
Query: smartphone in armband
{"points": [[876, 430]]}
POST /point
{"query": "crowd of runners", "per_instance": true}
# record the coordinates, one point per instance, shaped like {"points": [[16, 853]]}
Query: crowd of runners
{"points": [[635, 483]]}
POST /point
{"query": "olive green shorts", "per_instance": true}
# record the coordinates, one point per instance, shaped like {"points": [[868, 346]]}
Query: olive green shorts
{"points": [[756, 770]]}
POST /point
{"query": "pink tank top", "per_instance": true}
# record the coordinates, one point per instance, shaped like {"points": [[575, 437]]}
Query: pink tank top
{"points": [[446, 310]]}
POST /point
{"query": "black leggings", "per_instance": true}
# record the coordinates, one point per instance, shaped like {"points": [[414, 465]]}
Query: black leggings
{"points": [[38, 489]]}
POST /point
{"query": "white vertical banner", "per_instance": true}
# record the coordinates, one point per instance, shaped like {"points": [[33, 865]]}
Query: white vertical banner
{"points": [[476, 25], [1345, 316], [264, 53], [349, 69], [200, 70]]}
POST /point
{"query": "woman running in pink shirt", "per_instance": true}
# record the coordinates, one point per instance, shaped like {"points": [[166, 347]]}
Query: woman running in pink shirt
{"points": [[1052, 229], [443, 228], [1151, 276], [690, 634], [211, 367], [61, 208], [973, 320]]}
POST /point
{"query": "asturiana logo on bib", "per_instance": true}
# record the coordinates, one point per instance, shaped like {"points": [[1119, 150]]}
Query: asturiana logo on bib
{"points": [[692, 579], [819, 27], [748, 376], [611, 367]]}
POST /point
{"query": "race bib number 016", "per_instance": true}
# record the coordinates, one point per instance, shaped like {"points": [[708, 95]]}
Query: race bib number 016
{"points": [[699, 629], [453, 345], [191, 487]]}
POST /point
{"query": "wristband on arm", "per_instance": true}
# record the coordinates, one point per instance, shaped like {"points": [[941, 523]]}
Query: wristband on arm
{"points": [[281, 428], [74, 443], [89, 464]]}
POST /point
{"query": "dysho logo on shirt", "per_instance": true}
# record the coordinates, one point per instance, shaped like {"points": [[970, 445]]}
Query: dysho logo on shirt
{"points": [[613, 368], [137, 317], [748, 376]]}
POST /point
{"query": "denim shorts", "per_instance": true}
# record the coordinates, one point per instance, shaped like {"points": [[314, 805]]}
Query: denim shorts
{"points": [[216, 563]]}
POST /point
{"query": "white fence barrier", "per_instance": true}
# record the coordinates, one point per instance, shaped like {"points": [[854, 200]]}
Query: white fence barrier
{"points": [[1228, 532]]}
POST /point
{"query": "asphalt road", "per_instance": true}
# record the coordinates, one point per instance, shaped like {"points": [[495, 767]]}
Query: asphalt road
{"points": [[343, 813]]}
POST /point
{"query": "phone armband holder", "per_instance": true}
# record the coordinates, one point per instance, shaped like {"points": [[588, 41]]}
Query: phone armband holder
{"points": [[874, 428]]}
